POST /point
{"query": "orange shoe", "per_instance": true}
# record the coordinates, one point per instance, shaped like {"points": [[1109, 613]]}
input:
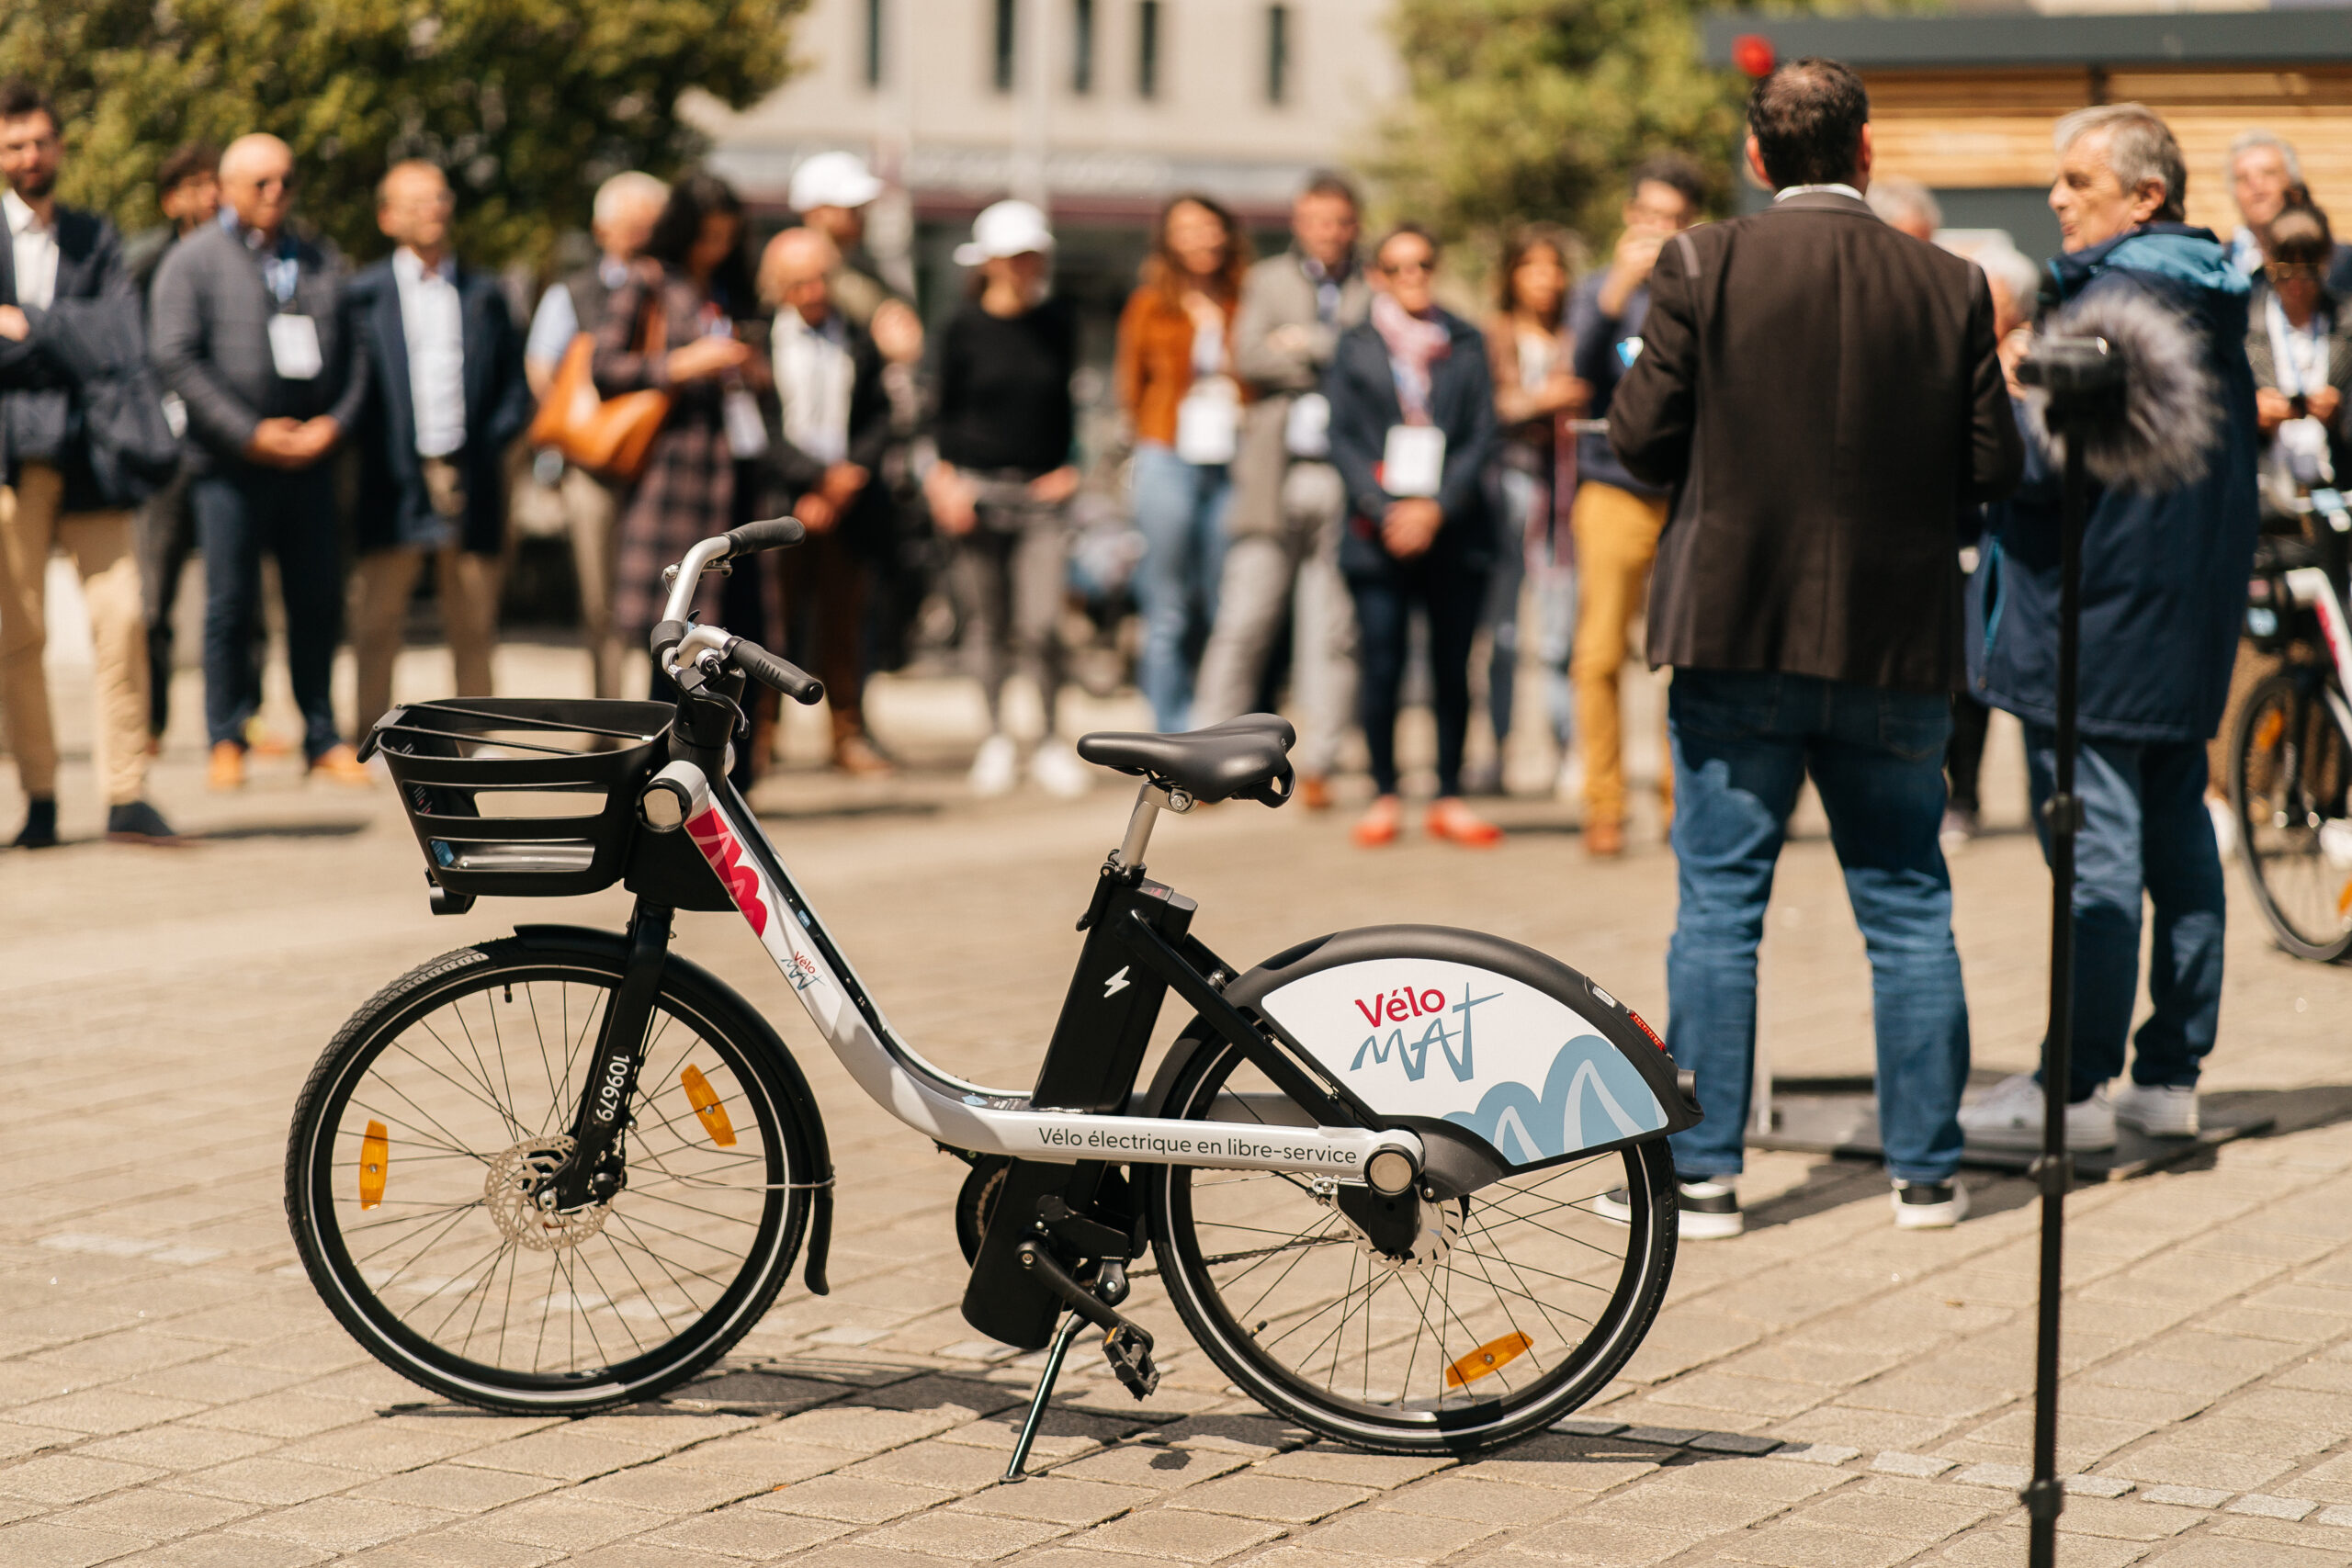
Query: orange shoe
{"points": [[1379, 825], [228, 767], [1455, 823], [341, 765], [1315, 792], [264, 742], [1604, 839]]}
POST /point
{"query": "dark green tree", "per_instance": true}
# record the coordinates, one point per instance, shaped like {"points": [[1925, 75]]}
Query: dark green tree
{"points": [[1523, 109], [527, 104]]}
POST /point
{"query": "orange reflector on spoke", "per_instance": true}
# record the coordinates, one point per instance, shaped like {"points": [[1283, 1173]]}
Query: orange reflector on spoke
{"points": [[2265, 733], [707, 1106], [1489, 1356], [375, 1152], [2344, 901]]}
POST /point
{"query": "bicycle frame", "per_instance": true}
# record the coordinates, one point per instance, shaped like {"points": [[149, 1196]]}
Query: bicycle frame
{"points": [[968, 1116], [2312, 588]]}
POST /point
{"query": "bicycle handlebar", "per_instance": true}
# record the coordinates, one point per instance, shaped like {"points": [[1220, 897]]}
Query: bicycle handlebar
{"points": [[773, 533], [768, 670]]}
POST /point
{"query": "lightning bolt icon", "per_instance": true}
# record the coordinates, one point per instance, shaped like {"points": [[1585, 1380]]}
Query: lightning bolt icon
{"points": [[1116, 984]]}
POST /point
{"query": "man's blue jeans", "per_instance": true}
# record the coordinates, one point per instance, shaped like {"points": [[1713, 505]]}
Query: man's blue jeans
{"points": [[1743, 743], [2144, 827], [292, 515]]}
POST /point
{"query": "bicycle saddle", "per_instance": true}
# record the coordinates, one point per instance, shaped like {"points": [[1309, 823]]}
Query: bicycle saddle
{"points": [[1247, 757]]}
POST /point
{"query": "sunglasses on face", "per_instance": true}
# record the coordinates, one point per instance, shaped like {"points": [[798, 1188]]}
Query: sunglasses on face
{"points": [[2291, 272], [1398, 269]]}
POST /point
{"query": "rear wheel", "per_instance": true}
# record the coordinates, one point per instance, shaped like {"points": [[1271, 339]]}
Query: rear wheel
{"points": [[429, 1123], [2290, 769], [1513, 1306]]}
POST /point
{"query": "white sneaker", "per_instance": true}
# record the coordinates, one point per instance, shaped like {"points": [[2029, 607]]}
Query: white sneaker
{"points": [[1569, 784], [1057, 771], [1704, 1210], [2225, 826], [2156, 1110], [997, 768], [1928, 1205], [2009, 1117]]}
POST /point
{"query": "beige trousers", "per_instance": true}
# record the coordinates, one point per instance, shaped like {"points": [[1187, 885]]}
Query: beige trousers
{"points": [[381, 588], [1616, 532], [595, 510], [100, 546]]}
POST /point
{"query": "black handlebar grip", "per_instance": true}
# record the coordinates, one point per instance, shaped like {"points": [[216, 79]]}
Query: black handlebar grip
{"points": [[769, 670], [772, 533], [666, 636]]}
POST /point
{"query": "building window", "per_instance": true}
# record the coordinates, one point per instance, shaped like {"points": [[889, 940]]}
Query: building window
{"points": [[1082, 46], [873, 41], [1005, 12], [1146, 48], [1277, 53]]}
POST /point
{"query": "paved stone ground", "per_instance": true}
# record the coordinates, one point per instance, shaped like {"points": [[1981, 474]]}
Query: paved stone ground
{"points": [[1822, 1390]]}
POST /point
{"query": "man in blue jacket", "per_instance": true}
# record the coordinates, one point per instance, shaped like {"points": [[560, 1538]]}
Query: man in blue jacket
{"points": [[448, 398], [2164, 585]]}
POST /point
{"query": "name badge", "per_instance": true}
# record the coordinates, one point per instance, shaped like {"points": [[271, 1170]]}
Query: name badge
{"points": [[747, 432], [1307, 431], [294, 347], [1413, 461], [1208, 423]]}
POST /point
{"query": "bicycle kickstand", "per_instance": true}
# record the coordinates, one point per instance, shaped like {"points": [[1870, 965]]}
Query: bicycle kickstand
{"points": [[1037, 1400]]}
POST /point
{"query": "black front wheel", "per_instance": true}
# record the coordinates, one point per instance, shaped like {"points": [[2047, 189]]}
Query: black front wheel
{"points": [[428, 1126], [1512, 1306]]}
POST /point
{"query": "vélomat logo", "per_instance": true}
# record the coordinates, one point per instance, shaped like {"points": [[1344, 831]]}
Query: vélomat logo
{"points": [[1424, 1037], [719, 846]]}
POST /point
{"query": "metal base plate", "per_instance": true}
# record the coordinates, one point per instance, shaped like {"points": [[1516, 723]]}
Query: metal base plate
{"points": [[1840, 1116]]}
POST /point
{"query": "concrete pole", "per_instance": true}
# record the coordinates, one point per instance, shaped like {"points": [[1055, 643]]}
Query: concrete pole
{"points": [[1033, 86]]}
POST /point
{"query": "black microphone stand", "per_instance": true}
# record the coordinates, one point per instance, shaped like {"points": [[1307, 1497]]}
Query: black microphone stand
{"points": [[2084, 384]]}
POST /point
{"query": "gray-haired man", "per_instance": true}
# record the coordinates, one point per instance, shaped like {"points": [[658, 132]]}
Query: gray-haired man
{"points": [[626, 205], [2266, 176]]}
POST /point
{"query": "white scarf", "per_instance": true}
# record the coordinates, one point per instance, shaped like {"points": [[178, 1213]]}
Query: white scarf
{"points": [[813, 374], [2299, 364]]}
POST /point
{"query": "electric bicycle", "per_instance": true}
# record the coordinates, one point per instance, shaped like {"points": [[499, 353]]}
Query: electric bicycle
{"points": [[566, 1169]]}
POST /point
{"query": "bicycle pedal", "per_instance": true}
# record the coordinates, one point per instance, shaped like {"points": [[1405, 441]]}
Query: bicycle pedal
{"points": [[1131, 1362]]}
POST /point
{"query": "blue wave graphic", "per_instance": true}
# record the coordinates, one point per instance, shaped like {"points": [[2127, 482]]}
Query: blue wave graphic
{"points": [[1592, 1096]]}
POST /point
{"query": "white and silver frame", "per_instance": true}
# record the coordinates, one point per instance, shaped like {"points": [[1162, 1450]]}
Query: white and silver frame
{"points": [[936, 1103]]}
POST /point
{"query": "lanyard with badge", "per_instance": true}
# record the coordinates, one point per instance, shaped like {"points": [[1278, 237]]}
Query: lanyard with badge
{"points": [[738, 411], [293, 337]]}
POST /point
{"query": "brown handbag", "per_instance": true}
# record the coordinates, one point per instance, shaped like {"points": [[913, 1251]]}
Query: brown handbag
{"points": [[607, 436]]}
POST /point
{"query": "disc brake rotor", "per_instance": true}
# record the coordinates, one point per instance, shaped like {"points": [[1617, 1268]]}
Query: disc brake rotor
{"points": [[519, 1191]]}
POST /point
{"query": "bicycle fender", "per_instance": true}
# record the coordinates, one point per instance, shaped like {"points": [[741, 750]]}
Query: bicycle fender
{"points": [[799, 1100], [1496, 1045]]}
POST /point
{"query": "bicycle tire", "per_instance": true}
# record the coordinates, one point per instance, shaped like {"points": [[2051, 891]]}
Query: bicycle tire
{"points": [[1475, 1423], [2281, 741], [763, 1104]]}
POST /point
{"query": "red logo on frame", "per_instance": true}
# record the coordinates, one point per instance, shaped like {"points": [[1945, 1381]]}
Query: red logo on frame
{"points": [[726, 857]]}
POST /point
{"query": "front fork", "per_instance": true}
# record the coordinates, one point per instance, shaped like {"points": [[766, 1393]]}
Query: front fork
{"points": [[596, 1169]]}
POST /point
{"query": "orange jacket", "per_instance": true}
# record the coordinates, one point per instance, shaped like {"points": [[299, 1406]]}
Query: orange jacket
{"points": [[1154, 361]]}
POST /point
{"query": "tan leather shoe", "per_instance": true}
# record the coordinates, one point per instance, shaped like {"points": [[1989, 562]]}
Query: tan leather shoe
{"points": [[341, 765], [855, 755], [264, 742], [1604, 839], [227, 769]]}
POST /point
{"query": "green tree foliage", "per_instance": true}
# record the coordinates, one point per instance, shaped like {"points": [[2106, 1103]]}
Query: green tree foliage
{"points": [[527, 104], [1523, 109]]}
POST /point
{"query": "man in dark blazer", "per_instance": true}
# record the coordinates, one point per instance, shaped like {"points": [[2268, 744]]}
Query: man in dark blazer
{"points": [[447, 398], [1823, 396], [246, 326], [50, 501]]}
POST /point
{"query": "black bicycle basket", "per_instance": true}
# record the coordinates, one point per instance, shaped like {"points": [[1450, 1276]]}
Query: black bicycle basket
{"points": [[486, 781]]}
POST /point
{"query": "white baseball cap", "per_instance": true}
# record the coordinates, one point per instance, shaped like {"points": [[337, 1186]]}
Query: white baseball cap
{"points": [[833, 179], [1005, 229]]}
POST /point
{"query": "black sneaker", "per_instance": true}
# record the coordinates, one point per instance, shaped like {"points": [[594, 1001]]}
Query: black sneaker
{"points": [[40, 825], [1928, 1205], [139, 823], [1708, 1210]]}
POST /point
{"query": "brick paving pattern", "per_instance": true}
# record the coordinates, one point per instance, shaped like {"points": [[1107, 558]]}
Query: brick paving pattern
{"points": [[1823, 1390]]}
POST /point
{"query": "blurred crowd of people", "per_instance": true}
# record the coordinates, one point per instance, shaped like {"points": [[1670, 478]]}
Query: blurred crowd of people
{"points": [[1326, 472]]}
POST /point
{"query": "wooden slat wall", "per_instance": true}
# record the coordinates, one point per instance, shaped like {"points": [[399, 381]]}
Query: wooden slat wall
{"points": [[1962, 129]]}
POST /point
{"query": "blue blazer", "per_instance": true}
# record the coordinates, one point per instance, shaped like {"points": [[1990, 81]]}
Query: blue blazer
{"points": [[1363, 393], [394, 507]]}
